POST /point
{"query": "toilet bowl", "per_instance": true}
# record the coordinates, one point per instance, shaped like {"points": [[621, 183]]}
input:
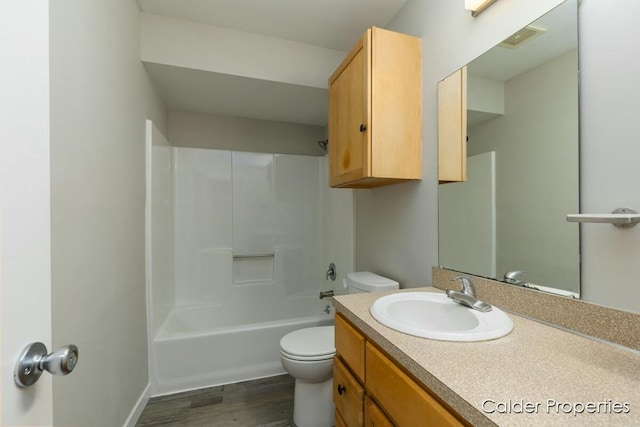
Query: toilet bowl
{"points": [[307, 355]]}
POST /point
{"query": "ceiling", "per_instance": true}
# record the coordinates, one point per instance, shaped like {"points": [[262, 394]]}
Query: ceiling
{"points": [[334, 24]]}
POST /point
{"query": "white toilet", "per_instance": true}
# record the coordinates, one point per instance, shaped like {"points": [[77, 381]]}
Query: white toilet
{"points": [[307, 355]]}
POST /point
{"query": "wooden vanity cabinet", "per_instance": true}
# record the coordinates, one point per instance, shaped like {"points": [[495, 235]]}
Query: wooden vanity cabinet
{"points": [[339, 422], [375, 112], [452, 127], [384, 395], [352, 346], [348, 395], [373, 415]]}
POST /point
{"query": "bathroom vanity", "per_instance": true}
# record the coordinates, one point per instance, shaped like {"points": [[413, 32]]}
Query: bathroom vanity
{"points": [[362, 372], [536, 375]]}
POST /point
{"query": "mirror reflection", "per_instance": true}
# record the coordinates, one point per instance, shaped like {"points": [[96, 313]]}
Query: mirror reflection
{"points": [[507, 221]]}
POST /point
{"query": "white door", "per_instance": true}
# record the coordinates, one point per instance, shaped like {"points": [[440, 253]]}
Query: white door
{"points": [[25, 258]]}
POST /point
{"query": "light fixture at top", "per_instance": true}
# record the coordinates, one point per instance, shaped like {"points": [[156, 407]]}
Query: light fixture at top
{"points": [[477, 6]]}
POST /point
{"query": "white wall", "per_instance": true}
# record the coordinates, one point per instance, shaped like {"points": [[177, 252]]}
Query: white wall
{"points": [[403, 218], [337, 230], [610, 148], [397, 226], [537, 174], [217, 70], [100, 98], [485, 95], [201, 130], [205, 47]]}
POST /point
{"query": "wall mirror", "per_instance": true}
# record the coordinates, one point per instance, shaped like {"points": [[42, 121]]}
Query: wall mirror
{"points": [[522, 162]]}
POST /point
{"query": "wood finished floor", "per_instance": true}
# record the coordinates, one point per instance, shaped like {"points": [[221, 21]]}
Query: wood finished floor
{"points": [[263, 402]]}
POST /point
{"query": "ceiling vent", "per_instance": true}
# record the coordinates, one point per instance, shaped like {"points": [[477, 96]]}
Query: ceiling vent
{"points": [[522, 36]]}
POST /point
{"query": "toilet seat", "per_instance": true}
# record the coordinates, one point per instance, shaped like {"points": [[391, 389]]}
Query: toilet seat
{"points": [[307, 358], [309, 344]]}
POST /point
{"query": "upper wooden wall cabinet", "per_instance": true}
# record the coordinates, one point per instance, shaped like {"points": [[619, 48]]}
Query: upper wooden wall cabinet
{"points": [[452, 127], [375, 112]]}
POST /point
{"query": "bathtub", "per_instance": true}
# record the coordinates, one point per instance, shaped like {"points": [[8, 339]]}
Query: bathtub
{"points": [[189, 354]]}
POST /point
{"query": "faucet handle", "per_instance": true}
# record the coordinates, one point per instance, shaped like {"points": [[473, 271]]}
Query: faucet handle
{"points": [[331, 272], [466, 284]]}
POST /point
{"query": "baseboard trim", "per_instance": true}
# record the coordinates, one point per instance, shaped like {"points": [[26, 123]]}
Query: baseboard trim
{"points": [[138, 407]]}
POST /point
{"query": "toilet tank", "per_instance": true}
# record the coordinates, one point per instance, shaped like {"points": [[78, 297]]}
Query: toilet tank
{"points": [[365, 281]]}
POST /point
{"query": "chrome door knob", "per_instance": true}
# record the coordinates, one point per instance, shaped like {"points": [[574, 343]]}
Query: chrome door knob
{"points": [[62, 361], [34, 360]]}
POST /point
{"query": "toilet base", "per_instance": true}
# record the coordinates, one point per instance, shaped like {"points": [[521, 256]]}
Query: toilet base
{"points": [[313, 404]]}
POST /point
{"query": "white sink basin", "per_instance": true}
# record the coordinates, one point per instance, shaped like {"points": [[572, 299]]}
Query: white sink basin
{"points": [[435, 316]]}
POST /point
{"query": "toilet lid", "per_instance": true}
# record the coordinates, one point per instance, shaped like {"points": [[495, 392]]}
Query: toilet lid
{"points": [[309, 342]]}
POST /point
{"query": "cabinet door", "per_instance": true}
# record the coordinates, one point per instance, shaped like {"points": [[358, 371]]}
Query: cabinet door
{"points": [[452, 127], [406, 403], [339, 422], [350, 346], [396, 105], [349, 116], [348, 395], [373, 416]]}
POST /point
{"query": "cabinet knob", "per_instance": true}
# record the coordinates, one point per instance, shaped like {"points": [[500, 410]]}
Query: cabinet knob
{"points": [[362, 128], [341, 389]]}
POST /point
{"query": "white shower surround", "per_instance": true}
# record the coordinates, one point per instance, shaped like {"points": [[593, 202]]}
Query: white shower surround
{"points": [[227, 316], [245, 204]]}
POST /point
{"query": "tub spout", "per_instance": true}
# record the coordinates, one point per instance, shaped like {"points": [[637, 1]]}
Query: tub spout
{"points": [[326, 294]]}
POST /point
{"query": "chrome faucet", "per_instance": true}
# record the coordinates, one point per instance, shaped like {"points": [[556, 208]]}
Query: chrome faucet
{"points": [[511, 277], [327, 294], [467, 295]]}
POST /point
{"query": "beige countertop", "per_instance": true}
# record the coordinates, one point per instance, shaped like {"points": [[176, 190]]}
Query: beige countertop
{"points": [[554, 373]]}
